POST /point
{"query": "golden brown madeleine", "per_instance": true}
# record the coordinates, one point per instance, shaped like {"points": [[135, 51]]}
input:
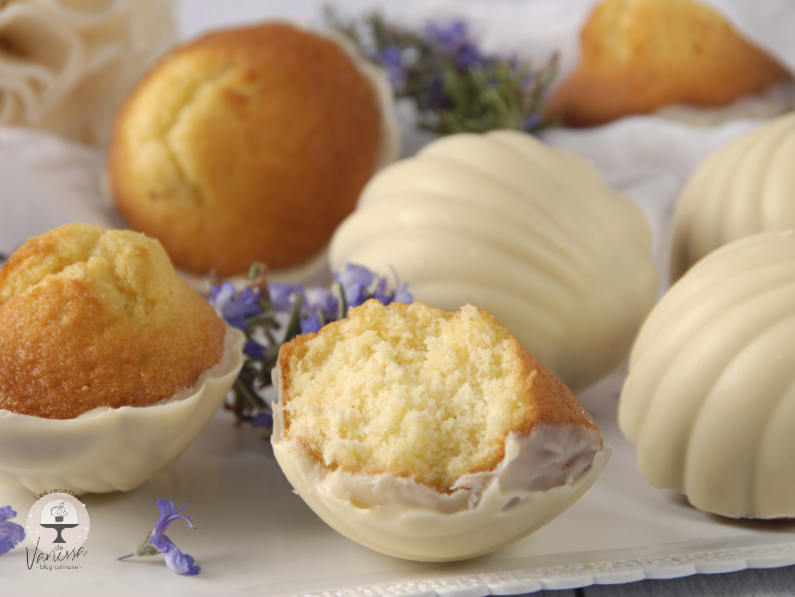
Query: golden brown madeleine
{"points": [[93, 317], [640, 55], [247, 144]]}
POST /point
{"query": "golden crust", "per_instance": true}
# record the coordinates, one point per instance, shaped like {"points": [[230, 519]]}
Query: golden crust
{"points": [[247, 144], [90, 317], [549, 400], [640, 55]]}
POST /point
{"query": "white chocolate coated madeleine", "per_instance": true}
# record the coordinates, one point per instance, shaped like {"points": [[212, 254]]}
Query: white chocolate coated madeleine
{"points": [[110, 364], [742, 188], [524, 231], [428, 435], [710, 395]]}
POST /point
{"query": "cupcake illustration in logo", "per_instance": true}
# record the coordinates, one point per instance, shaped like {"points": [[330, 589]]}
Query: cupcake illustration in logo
{"points": [[59, 515], [59, 511]]}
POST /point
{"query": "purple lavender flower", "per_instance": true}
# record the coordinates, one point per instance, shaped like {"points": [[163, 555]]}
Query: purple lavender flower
{"points": [[381, 292], [10, 532], [391, 59], [221, 294], [234, 307], [176, 560], [450, 35], [455, 84], [402, 295], [168, 514], [254, 349], [453, 38], [179, 562], [532, 122], [262, 419], [320, 300], [310, 324], [357, 286], [468, 55], [355, 281], [282, 294], [399, 294]]}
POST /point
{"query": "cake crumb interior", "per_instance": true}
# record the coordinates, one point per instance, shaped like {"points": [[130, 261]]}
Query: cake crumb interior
{"points": [[415, 391]]}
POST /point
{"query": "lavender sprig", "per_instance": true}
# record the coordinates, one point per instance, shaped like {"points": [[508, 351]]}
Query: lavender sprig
{"points": [[157, 541], [454, 84], [272, 313], [10, 532]]}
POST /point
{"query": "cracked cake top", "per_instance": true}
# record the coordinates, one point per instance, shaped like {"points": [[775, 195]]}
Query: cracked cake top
{"points": [[94, 317], [248, 144]]}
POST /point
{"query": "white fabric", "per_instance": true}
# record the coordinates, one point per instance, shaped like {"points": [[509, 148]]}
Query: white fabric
{"points": [[66, 64]]}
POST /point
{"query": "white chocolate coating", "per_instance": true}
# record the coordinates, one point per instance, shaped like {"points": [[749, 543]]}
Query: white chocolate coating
{"points": [[541, 475], [742, 188], [710, 395], [107, 449], [529, 233]]}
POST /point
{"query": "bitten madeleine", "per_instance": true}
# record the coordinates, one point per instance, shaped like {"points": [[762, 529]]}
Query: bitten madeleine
{"points": [[429, 435], [249, 144], [93, 317]]}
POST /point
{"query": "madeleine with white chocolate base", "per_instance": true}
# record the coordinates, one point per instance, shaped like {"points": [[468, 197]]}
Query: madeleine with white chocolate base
{"points": [[429, 435], [110, 364]]}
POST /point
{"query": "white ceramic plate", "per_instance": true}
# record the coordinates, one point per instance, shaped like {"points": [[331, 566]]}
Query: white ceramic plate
{"points": [[254, 536]]}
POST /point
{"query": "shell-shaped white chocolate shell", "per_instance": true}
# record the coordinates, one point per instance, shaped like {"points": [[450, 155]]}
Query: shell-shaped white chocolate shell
{"points": [[540, 476], [110, 449], [743, 188], [519, 229], [427, 535], [709, 399]]}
